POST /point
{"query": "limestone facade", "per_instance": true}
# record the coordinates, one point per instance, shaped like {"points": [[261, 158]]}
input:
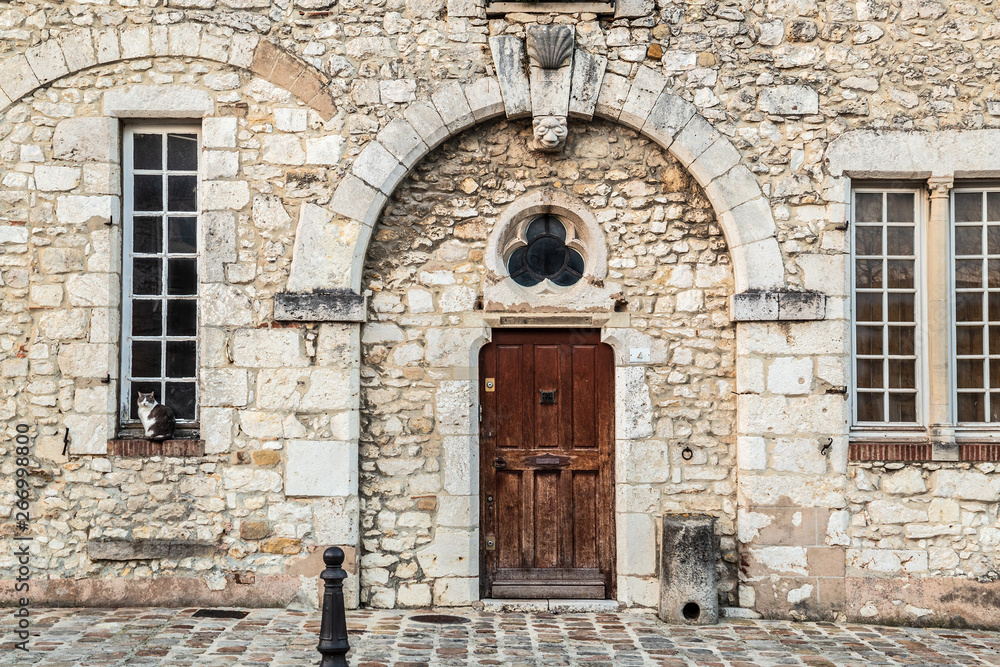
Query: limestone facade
{"points": [[355, 159]]}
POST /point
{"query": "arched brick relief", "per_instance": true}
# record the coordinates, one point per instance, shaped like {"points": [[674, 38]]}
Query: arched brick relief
{"points": [[23, 73], [743, 211]]}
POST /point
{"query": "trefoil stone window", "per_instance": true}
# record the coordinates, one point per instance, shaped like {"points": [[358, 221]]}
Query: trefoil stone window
{"points": [[160, 270], [542, 254]]}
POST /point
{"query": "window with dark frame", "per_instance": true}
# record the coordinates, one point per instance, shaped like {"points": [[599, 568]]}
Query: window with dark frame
{"points": [[160, 271]]}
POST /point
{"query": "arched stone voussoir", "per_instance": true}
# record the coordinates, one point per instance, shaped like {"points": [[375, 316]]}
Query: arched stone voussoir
{"points": [[674, 123], [78, 50]]}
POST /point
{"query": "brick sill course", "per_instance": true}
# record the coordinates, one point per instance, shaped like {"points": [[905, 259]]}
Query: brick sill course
{"points": [[920, 452], [137, 447]]}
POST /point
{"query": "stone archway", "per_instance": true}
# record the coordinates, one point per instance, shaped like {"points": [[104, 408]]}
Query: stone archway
{"points": [[643, 104], [77, 50]]}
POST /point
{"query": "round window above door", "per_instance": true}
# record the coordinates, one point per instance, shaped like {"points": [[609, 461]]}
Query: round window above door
{"points": [[542, 253]]}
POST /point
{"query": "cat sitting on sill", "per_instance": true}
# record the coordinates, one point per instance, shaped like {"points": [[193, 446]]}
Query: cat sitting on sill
{"points": [[157, 419]]}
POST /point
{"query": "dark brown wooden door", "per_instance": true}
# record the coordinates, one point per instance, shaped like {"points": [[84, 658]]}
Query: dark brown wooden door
{"points": [[547, 462]]}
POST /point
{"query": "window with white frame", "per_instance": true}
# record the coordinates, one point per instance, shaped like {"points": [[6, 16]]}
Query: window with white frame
{"points": [[160, 270], [893, 326], [976, 310], [886, 307]]}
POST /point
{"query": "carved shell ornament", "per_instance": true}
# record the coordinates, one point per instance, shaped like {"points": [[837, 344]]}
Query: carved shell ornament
{"points": [[550, 46]]}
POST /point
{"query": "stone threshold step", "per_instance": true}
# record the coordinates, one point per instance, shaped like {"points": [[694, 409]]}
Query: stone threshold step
{"points": [[555, 606]]}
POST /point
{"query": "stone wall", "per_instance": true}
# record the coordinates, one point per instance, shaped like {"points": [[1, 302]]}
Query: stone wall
{"points": [[265, 389], [426, 272], [288, 93]]}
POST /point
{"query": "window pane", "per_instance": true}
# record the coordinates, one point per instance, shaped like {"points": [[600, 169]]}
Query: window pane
{"points": [[969, 307], [869, 307], [146, 275], [182, 235], [994, 305], [993, 206], [901, 308], [899, 207], [994, 340], [868, 273], [994, 407], [993, 240], [968, 206], [147, 151], [994, 377], [146, 358], [900, 273], [993, 275], [902, 374], [869, 340], [870, 373], [147, 317], [902, 408], [970, 407], [182, 317], [868, 241], [182, 193], [181, 399], [182, 152], [870, 407], [145, 388], [968, 240], [180, 358], [900, 240], [901, 341], [969, 373], [868, 207], [147, 234], [968, 273], [969, 340], [182, 276], [546, 256], [148, 192]]}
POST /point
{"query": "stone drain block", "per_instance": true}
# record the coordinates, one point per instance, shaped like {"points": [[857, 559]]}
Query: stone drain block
{"points": [[688, 578]]}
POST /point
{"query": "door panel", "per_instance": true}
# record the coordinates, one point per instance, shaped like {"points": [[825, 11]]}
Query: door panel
{"points": [[547, 464]]}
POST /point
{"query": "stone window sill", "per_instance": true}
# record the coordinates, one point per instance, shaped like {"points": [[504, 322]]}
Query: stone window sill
{"points": [[913, 452], [139, 447]]}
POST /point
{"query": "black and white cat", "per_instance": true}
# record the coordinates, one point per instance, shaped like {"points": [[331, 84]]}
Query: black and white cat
{"points": [[157, 419]]}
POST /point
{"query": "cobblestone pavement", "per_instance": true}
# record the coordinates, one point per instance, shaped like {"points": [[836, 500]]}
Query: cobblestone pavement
{"points": [[100, 637]]}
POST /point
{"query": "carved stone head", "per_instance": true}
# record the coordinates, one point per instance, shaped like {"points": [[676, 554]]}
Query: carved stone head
{"points": [[550, 132]]}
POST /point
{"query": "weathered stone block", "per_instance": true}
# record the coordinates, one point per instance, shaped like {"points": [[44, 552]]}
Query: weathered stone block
{"points": [[330, 306], [121, 550], [378, 167], [16, 77], [585, 86], [510, 61], [171, 101], [788, 101], [269, 348], [688, 579], [321, 468], [484, 98], [451, 104], [642, 96]]}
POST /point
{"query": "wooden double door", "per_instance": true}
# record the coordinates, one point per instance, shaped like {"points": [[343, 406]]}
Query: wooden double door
{"points": [[547, 465]]}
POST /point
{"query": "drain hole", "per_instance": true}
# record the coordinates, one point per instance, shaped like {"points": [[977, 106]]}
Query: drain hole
{"points": [[438, 618], [691, 611], [219, 613]]}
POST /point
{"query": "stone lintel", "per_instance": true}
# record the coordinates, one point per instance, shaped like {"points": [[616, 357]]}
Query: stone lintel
{"points": [[147, 549], [319, 306], [775, 306]]}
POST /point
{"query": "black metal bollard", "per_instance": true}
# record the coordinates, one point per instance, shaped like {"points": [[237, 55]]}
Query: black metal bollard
{"points": [[333, 642]]}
